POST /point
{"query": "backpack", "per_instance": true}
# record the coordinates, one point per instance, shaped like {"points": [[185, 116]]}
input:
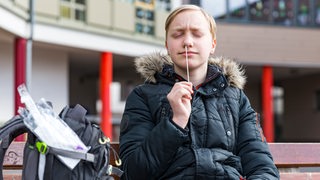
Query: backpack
{"points": [[93, 165]]}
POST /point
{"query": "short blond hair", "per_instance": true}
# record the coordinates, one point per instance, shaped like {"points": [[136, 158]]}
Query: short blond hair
{"points": [[209, 18]]}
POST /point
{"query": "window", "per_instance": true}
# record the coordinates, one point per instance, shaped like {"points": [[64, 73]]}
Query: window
{"points": [[73, 9], [260, 11], [164, 5], [145, 17], [303, 12], [149, 15], [317, 13], [283, 12], [144, 29], [144, 14]]}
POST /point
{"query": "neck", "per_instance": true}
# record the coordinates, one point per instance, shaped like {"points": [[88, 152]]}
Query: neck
{"points": [[198, 76]]}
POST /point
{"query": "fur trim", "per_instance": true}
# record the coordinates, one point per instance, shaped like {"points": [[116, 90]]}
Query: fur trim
{"points": [[232, 70], [149, 64]]}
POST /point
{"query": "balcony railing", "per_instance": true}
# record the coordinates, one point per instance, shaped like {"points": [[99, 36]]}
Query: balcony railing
{"points": [[303, 13]]}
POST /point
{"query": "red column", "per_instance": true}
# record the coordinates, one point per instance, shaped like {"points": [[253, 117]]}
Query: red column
{"points": [[105, 83], [19, 72], [267, 103]]}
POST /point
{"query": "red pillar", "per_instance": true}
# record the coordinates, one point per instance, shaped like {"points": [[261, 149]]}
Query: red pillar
{"points": [[267, 103], [105, 83], [19, 72]]}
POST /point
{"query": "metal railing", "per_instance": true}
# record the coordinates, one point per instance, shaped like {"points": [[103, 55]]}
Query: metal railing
{"points": [[301, 13]]}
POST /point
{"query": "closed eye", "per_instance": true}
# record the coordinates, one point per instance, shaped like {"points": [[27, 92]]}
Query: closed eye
{"points": [[197, 33], [177, 34]]}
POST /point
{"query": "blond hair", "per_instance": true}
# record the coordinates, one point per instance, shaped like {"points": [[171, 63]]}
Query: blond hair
{"points": [[209, 18]]}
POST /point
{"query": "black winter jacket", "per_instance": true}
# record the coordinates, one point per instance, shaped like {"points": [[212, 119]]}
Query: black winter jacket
{"points": [[223, 139]]}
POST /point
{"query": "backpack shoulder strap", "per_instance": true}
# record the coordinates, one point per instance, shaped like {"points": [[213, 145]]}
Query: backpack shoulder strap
{"points": [[78, 112], [8, 132]]}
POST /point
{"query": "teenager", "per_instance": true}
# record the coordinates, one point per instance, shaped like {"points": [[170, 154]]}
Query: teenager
{"points": [[191, 118]]}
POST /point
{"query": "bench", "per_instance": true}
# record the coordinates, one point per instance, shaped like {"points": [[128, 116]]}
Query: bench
{"points": [[294, 160], [297, 160]]}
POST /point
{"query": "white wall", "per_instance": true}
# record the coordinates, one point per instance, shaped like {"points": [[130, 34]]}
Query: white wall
{"points": [[6, 81], [49, 78]]}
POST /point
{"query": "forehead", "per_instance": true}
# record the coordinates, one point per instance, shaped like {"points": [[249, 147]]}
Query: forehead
{"points": [[189, 19]]}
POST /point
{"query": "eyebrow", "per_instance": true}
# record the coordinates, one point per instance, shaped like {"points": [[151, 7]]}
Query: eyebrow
{"points": [[182, 28]]}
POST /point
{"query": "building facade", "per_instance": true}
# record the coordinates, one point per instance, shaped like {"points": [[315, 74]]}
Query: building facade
{"points": [[79, 47]]}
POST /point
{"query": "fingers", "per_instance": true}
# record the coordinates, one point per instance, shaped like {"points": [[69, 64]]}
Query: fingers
{"points": [[179, 98], [181, 90]]}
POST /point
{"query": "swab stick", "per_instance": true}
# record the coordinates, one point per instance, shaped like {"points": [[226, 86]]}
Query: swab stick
{"points": [[187, 62]]}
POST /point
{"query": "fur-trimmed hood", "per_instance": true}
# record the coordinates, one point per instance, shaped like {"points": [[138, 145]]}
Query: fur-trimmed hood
{"points": [[149, 65]]}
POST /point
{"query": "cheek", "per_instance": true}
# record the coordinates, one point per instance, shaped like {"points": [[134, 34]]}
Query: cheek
{"points": [[207, 47], [171, 48], [172, 44]]}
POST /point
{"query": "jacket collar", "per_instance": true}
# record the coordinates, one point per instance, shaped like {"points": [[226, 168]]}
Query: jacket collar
{"points": [[151, 65]]}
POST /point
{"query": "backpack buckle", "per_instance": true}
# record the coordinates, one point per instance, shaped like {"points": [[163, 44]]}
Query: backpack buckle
{"points": [[104, 140], [42, 147]]}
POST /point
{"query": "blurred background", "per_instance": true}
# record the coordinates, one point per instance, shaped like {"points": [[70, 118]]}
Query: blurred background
{"points": [[82, 52]]}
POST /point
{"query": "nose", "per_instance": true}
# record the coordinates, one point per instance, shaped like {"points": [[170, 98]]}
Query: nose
{"points": [[188, 41]]}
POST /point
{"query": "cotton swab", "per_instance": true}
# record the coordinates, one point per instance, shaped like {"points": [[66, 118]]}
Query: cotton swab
{"points": [[187, 62]]}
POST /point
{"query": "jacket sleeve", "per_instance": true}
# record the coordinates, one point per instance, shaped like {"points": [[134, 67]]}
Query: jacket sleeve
{"points": [[256, 159], [146, 147]]}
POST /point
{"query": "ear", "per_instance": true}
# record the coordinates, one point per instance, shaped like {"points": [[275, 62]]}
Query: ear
{"points": [[166, 44], [214, 44]]}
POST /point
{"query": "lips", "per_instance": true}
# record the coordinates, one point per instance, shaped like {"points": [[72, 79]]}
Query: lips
{"points": [[189, 53]]}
